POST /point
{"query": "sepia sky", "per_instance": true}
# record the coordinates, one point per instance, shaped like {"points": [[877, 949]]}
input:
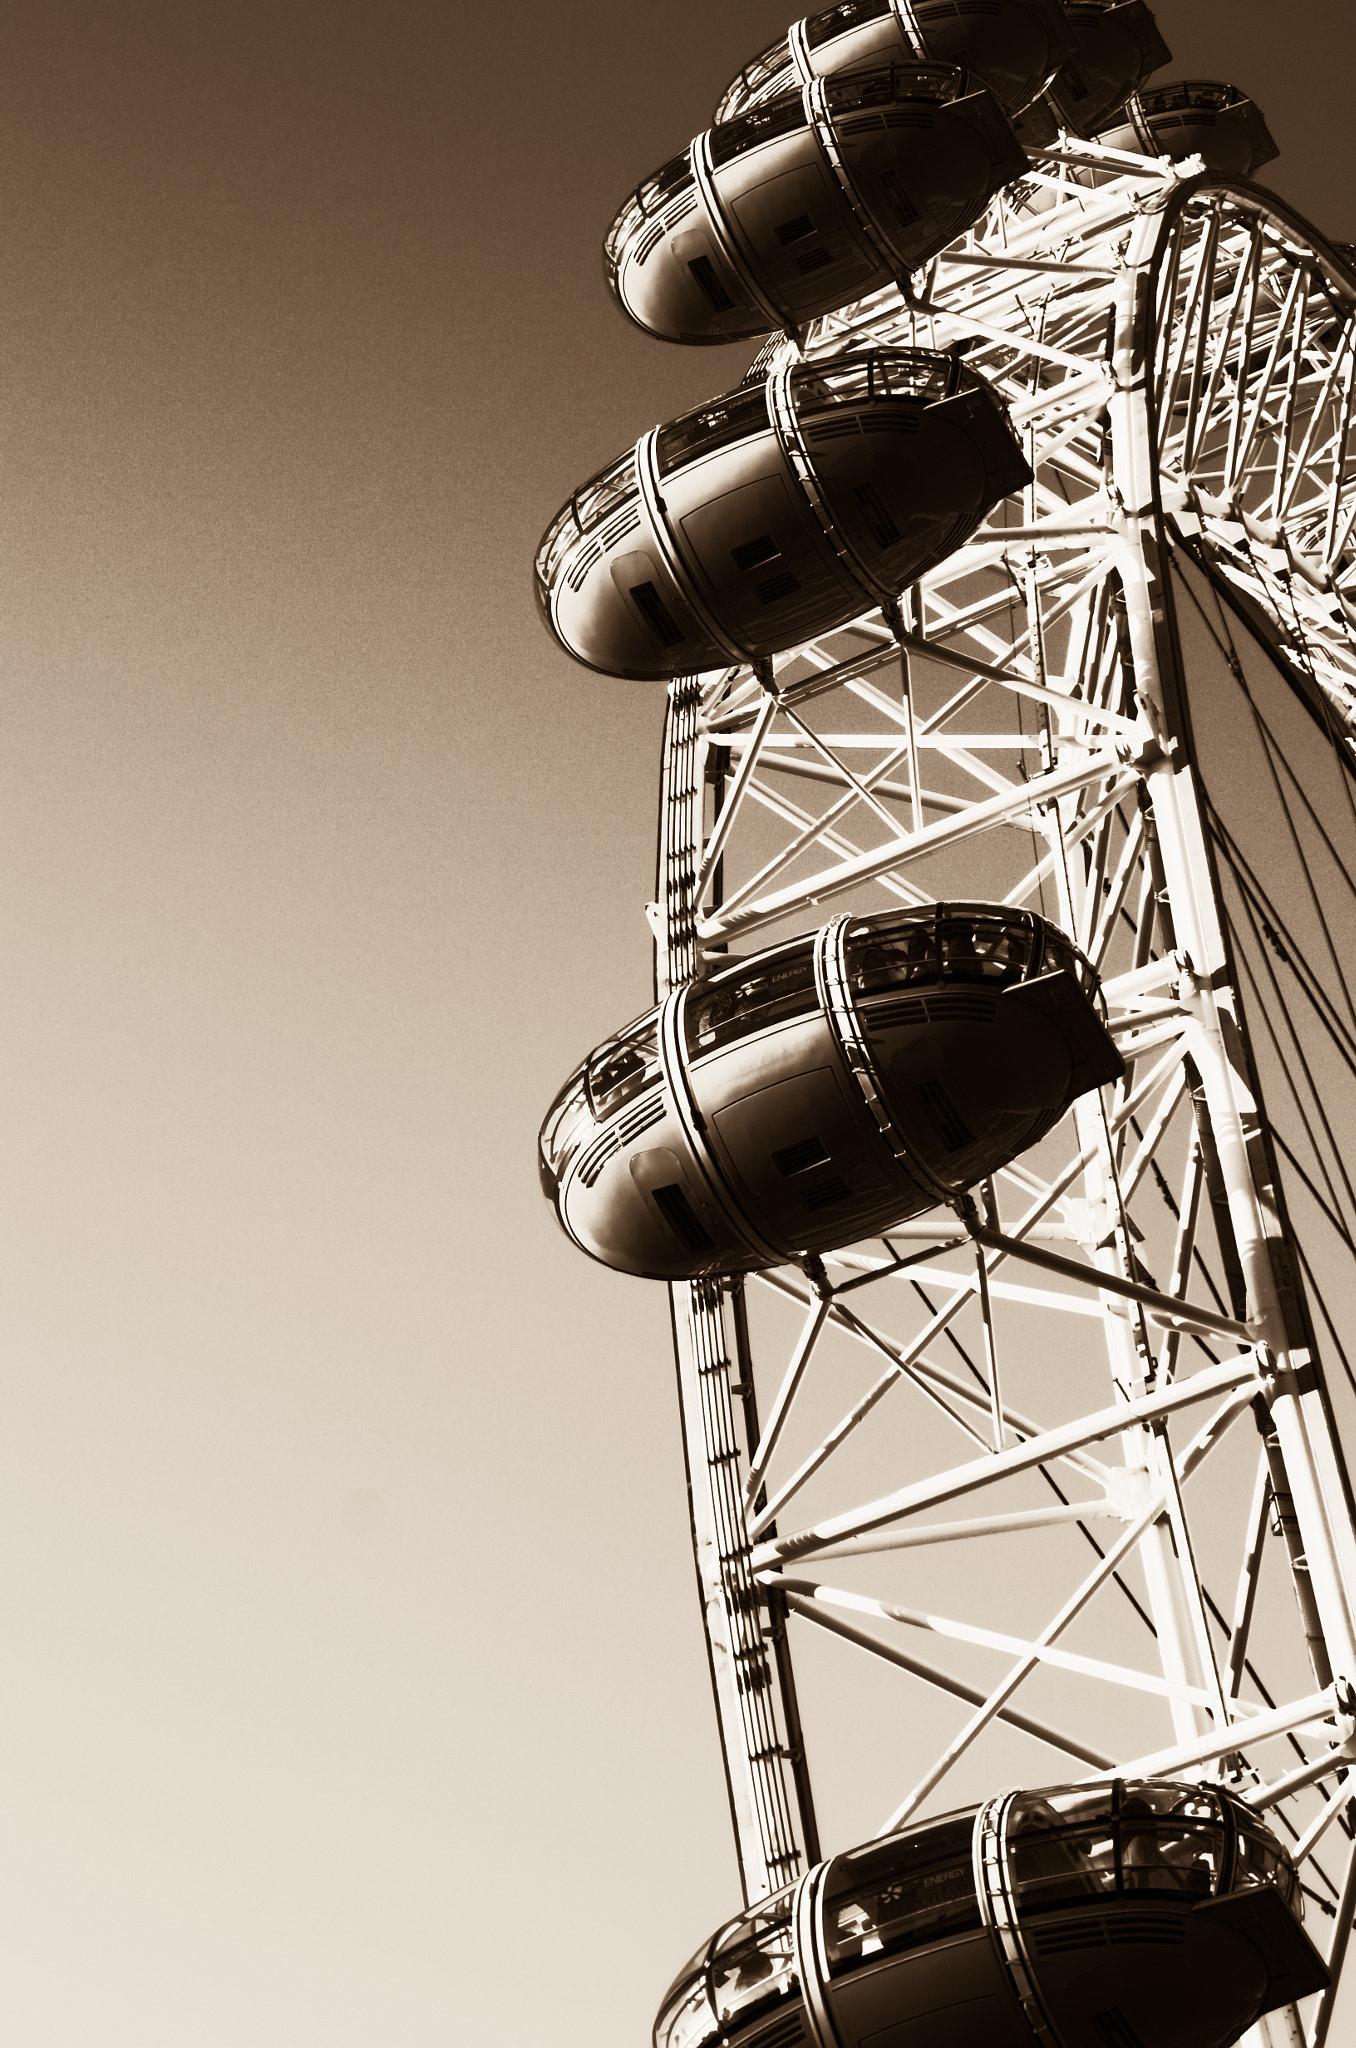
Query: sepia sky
{"points": [[353, 1690]]}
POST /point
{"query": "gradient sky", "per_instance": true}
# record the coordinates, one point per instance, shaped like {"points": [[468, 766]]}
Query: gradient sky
{"points": [[354, 1691]]}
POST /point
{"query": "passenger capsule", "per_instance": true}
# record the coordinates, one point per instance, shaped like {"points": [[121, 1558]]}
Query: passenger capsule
{"points": [[814, 199], [1194, 117], [1118, 47], [821, 1091], [1138, 1914], [776, 513], [1012, 46]]}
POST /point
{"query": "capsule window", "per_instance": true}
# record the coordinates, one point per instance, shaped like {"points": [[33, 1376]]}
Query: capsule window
{"points": [[1142, 1837], [708, 427], [1057, 954], [891, 959], [687, 2020], [568, 1125], [603, 493], [984, 949], [669, 179], [619, 1070], [836, 21], [891, 84], [559, 538], [885, 373], [1063, 1851], [899, 1894], [1259, 1859], [782, 116], [736, 1005], [754, 1964], [755, 77]]}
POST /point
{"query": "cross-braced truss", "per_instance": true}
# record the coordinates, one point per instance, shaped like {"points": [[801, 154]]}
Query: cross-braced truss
{"points": [[1110, 1384]]}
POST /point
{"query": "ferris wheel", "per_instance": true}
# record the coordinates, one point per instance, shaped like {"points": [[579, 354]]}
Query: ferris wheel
{"points": [[992, 1125]]}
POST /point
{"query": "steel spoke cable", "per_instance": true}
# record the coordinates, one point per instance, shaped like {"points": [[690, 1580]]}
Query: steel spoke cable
{"points": [[1321, 1299], [1275, 751], [1277, 934], [1288, 1075], [1268, 743]]}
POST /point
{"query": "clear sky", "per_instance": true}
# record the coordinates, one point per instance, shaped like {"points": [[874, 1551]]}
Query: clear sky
{"points": [[353, 1685]]}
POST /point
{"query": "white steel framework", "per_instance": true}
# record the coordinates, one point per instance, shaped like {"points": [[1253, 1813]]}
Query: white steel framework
{"points": [[1105, 1377]]}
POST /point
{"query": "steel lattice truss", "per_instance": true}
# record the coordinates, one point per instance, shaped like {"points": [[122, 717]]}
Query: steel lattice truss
{"points": [[1114, 1374]]}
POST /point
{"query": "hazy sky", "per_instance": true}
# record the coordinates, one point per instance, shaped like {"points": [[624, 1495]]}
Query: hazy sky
{"points": [[354, 1691]]}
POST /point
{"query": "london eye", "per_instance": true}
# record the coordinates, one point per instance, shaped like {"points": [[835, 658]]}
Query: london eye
{"points": [[989, 1119]]}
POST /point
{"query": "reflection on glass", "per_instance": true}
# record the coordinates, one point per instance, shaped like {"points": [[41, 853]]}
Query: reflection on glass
{"points": [[711, 426], [667, 180], [754, 1961], [686, 2019], [1059, 954], [890, 84], [780, 116], [741, 1003], [901, 1893], [1061, 1848], [984, 948], [619, 1070], [1258, 1859], [757, 76], [568, 1124], [953, 943], [836, 21], [1190, 92], [1064, 1847], [917, 374], [595, 499], [559, 538]]}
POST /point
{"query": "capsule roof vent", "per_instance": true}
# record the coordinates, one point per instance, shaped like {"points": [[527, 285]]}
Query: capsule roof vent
{"points": [[825, 1194], [777, 586]]}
